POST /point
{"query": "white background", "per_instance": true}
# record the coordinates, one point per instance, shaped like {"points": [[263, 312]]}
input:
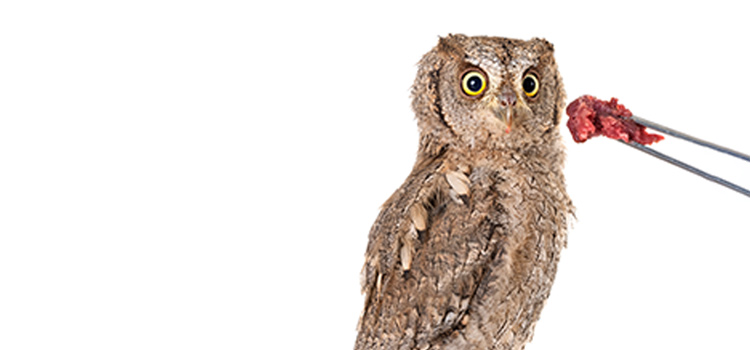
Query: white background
{"points": [[203, 175]]}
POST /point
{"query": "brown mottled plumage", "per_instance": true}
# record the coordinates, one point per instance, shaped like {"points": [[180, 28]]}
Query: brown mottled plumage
{"points": [[463, 255]]}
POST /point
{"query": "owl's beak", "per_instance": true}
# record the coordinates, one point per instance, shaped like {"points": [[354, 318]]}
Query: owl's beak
{"points": [[507, 101]]}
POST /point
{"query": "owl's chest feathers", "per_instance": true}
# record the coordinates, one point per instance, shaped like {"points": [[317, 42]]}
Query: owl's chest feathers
{"points": [[526, 189], [515, 199]]}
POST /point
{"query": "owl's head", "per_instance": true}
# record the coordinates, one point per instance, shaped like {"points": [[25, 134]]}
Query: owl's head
{"points": [[488, 92]]}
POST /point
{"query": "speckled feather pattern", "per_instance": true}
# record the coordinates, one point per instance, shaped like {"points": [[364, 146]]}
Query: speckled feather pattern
{"points": [[464, 254]]}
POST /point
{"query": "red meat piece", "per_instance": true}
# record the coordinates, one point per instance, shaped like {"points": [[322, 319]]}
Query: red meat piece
{"points": [[591, 117]]}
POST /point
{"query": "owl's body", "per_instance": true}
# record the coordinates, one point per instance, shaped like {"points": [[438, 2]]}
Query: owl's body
{"points": [[463, 255]]}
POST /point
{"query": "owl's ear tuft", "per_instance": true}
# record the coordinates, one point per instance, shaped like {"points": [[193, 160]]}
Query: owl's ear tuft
{"points": [[450, 47], [543, 45]]}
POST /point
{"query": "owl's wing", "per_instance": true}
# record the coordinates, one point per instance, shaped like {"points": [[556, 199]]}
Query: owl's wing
{"points": [[429, 250]]}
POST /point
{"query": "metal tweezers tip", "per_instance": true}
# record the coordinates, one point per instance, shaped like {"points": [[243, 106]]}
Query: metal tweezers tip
{"points": [[685, 166]]}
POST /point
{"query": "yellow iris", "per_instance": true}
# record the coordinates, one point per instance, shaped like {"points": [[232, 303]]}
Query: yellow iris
{"points": [[530, 85], [473, 83]]}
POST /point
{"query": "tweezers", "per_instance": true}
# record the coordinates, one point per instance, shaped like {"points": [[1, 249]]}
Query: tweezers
{"points": [[683, 165]]}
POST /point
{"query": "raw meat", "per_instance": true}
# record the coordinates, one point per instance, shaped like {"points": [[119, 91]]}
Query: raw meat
{"points": [[591, 117]]}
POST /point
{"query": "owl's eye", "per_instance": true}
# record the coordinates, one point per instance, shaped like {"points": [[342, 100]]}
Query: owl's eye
{"points": [[530, 84], [473, 83]]}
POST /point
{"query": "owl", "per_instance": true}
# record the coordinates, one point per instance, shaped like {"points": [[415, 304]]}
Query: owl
{"points": [[464, 254]]}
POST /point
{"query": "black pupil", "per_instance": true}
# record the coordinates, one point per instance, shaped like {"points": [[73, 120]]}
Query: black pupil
{"points": [[529, 84], [474, 84]]}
